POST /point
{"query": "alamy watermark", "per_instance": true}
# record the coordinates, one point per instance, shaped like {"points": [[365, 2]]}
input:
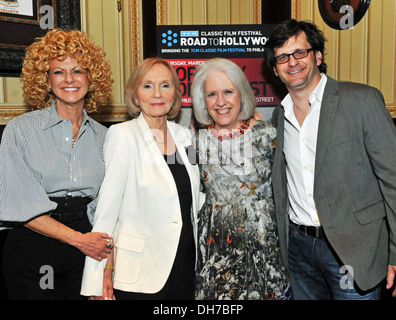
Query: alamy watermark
{"points": [[346, 281], [347, 21], [47, 18], [47, 280]]}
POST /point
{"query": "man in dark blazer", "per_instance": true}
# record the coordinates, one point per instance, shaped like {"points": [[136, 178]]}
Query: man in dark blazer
{"points": [[334, 174]]}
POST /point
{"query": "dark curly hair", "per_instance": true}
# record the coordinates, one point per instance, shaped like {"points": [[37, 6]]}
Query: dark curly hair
{"points": [[60, 44], [289, 28]]}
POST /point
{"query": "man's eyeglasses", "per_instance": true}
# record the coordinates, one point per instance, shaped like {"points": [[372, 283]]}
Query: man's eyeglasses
{"points": [[298, 54]]}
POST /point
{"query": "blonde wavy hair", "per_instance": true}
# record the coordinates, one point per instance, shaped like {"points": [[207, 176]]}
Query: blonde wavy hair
{"points": [[60, 44]]}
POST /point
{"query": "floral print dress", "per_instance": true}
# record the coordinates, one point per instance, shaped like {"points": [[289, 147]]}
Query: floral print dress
{"points": [[238, 253]]}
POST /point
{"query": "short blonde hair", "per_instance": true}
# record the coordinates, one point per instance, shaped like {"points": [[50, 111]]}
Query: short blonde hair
{"points": [[137, 77], [235, 74], [60, 44]]}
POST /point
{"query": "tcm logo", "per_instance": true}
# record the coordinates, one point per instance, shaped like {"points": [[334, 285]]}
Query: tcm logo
{"points": [[169, 38]]}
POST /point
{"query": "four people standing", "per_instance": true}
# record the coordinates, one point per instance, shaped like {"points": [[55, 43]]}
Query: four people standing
{"points": [[332, 173]]}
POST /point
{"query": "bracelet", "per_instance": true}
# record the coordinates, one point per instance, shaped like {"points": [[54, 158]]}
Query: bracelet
{"points": [[108, 267]]}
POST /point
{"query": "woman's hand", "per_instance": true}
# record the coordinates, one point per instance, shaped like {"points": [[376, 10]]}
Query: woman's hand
{"points": [[92, 244], [108, 293]]}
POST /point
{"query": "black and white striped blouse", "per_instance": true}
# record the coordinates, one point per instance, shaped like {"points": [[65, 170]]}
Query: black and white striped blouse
{"points": [[37, 161]]}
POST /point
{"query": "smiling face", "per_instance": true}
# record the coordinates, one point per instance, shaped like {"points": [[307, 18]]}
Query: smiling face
{"points": [[222, 100], [298, 74], [68, 81], [156, 92]]}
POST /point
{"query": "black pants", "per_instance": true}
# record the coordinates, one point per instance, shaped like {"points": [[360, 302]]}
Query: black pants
{"points": [[40, 268]]}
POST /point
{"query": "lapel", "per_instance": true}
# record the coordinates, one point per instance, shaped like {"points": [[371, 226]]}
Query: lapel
{"points": [[279, 121], [180, 140], [151, 147], [326, 121]]}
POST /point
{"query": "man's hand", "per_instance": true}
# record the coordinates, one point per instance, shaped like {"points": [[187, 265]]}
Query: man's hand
{"points": [[390, 279]]}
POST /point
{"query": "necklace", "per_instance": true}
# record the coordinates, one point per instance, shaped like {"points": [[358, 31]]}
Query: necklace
{"points": [[160, 142], [74, 139], [235, 133]]}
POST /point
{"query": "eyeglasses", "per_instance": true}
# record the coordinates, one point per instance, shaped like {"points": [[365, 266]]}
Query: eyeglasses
{"points": [[298, 54]]}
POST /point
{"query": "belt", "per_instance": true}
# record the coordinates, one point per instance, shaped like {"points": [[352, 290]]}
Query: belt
{"points": [[68, 217], [11, 224], [313, 232], [70, 209]]}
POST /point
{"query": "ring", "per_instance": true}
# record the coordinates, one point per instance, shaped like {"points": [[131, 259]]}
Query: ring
{"points": [[98, 258], [109, 245]]}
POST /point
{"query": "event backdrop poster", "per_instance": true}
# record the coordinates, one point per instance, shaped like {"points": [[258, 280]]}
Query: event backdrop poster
{"points": [[188, 46]]}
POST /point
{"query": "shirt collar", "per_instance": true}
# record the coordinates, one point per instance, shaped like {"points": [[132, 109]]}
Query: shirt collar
{"points": [[51, 117], [317, 94]]}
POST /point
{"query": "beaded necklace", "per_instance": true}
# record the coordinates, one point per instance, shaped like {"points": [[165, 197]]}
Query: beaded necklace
{"points": [[235, 133]]}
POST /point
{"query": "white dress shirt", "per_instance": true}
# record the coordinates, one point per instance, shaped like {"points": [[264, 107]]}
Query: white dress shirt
{"points": [[300, 153]]}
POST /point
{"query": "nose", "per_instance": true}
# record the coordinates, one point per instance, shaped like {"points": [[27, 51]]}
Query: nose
{"points": [[157, 91], [221, 101], [292, 61], [69, 77]]}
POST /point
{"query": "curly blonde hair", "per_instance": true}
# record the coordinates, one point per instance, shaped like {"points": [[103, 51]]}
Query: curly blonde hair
{"points": [[60, 44]]}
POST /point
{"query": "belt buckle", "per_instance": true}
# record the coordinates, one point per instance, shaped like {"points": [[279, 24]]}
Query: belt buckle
{"points": [[306, 231], [313, 232]]}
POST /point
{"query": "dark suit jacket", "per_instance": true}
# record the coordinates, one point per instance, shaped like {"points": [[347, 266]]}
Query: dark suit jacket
{"points": [[355, 179]]}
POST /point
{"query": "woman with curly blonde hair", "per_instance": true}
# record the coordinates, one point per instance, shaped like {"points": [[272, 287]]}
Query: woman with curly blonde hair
{"points": [[59, 44], [52, 167]]}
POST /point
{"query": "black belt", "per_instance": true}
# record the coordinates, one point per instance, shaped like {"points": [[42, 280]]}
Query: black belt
{"points": [[67, 217], [70, 209], [313, 232], [11, 224]]}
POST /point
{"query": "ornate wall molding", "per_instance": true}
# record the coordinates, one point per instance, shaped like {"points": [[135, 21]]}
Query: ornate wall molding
{"points": [[296, 9], [68, 14], [257, 12], [9, 112], [135, 31], [162, 9]]}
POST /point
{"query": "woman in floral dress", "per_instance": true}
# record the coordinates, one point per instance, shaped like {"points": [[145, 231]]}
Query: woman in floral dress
{"points": [[238, 254]]}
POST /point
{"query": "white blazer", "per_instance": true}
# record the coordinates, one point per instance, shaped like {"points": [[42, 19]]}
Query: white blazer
{"points": [[138, 205]]}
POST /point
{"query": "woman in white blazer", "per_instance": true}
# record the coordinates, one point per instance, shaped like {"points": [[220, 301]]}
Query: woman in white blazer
{"points": [[149, 197]]}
